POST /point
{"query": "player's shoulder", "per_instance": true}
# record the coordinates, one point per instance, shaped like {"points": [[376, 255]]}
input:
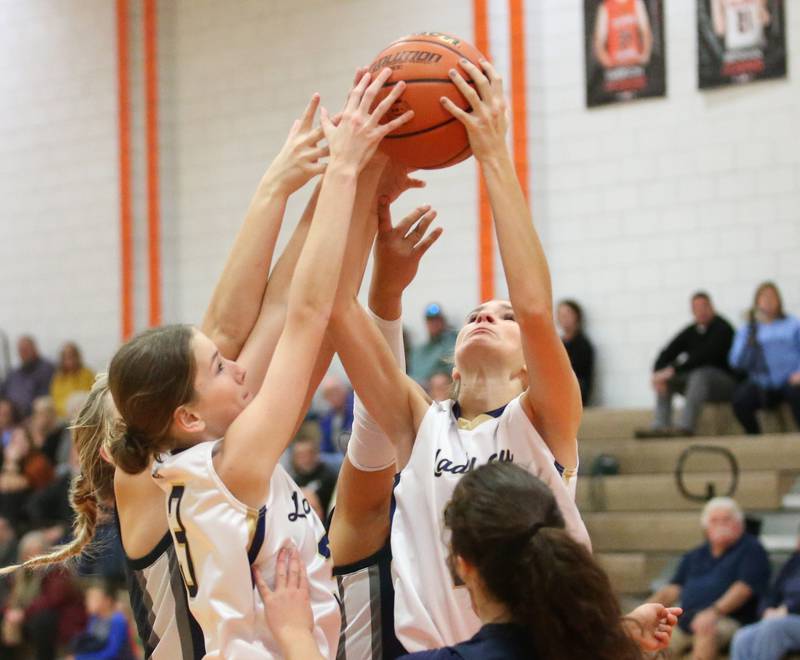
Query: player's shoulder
{"points": [[181, 463]]}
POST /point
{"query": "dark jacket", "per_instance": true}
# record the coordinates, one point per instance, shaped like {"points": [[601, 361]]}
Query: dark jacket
{"points": [[697, 347]]}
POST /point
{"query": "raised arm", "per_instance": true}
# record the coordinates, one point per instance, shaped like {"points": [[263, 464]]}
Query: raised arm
{"points": [[553, 398], [246, 458], [237, 298]]}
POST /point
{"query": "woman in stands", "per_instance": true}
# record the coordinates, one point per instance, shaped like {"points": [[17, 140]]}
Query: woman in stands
{"points": [[767, 349]]}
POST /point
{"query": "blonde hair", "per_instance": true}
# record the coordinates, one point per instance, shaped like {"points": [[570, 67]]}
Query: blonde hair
{"points": [[92, 429]]}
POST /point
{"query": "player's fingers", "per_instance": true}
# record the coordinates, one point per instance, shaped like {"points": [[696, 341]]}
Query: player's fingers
{"points": [[383, 107], [315, 154], [384, 215], [425, 244], [422, 226], [314, 136], [404, 226], [354, 98], [396, 123], [308, 115], [416, 183], [494, 78], [261, 585], [281, 569], [294, 569], [454, 110], [473, 98], [478, 77], [372, 91], [360, 71]]}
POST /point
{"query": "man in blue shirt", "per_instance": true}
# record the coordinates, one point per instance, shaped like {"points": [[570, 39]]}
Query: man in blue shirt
{"points": [[778, 632], [718, 583], [30, 380], [435, 355]]}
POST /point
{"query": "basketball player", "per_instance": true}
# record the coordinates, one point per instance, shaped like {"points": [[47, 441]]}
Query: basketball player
{"points": [[622, 34], [740, 23], [229, 501], [158, 596], [518, 401], [538, 593]]}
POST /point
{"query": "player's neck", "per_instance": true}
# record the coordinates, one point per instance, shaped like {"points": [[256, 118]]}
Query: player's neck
{"points": [[482, 392]]}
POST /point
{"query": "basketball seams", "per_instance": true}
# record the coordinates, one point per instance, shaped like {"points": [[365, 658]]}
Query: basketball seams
{"points": [[400, 136], [435, 43]]}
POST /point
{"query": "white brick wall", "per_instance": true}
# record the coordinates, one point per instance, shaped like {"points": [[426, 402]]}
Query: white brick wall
{"points": [[58, 174], [638, 204]]}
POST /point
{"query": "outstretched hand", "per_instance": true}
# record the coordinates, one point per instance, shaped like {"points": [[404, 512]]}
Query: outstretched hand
{"points": [[399, 249], [355, 137], [487, 124], [299, 159], [651, 625]]}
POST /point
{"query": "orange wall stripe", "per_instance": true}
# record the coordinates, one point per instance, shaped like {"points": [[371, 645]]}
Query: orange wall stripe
{"points": [[151, 122], [519, 105], [125, 206], [485, 228]]}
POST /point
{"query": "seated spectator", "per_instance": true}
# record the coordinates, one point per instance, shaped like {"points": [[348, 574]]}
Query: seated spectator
{"points": [[45, 609], [70, 376], [49, 434], [337, 423], [718, 583], [106, 636], [440, 386], [767, 349], [9, 420], [309, 470], [30, 380], [778, 632], [695, 364], [579, 348], [435, 355], [24, 471], [50, 507]]}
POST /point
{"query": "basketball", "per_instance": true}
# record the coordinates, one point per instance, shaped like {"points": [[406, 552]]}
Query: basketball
{"points": [[433, 138]]}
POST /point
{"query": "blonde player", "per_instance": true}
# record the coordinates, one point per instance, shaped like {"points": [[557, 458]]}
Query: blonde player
{"points": [[230, 504], [517, 401], [158, 596]]}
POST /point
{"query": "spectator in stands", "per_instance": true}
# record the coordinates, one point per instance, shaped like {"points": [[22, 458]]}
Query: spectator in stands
{"points": [[8, 543], [309, 471], [440, 386], [778, 632], [580, 350], [9, 419], [337, 423], [45, 609], [767, 349], [106, 636], [71, 376], [29, 380], [434, 356], [24, 471], [50, 507], [718, 583], [49, 434], [695, 364]]}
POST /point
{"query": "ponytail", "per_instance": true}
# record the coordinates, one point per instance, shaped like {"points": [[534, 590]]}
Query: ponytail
{"points": [[94, 486]]}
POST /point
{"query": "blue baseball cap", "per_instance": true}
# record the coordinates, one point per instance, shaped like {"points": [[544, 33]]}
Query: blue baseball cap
{"points": [[433, 311]]}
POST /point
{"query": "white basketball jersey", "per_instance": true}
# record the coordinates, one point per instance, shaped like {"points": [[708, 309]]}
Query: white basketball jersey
{"points": [[743, 27], [218, 538], [430, 612]]}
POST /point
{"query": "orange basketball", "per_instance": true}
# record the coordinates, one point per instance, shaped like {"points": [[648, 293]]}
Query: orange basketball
{"points": [[433, 138]]}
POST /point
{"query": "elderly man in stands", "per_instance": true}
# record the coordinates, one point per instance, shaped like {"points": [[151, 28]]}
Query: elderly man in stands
{"points": [[31, 379], [778, 632], [718, 583], [695, 364]]}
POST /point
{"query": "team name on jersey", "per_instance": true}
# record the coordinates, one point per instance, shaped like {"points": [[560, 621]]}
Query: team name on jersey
{"points": [[441, 464]]}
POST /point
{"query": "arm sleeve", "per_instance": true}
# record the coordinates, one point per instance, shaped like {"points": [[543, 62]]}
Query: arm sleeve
{"points": [[672, 350], [117, 638], [370, 449]]}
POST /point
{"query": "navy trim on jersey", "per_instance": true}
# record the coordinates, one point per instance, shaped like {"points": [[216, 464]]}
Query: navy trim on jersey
{"points": [[150, 558], [258, 537], [384, 554], [492, 413]]}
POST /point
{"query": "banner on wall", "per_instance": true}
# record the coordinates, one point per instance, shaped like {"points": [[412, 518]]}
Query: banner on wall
{"points": [[624, 43], [740, 41]]}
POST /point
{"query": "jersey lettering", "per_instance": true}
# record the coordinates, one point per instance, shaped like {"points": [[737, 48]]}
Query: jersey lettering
{"points": [[182, 551], [442, 465], [298, 505]]}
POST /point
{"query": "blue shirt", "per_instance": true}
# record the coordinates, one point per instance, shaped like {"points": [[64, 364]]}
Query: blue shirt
{"points": [[786, 590], [776, 355], [494, 641], [110, 639], [704, 578]]}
